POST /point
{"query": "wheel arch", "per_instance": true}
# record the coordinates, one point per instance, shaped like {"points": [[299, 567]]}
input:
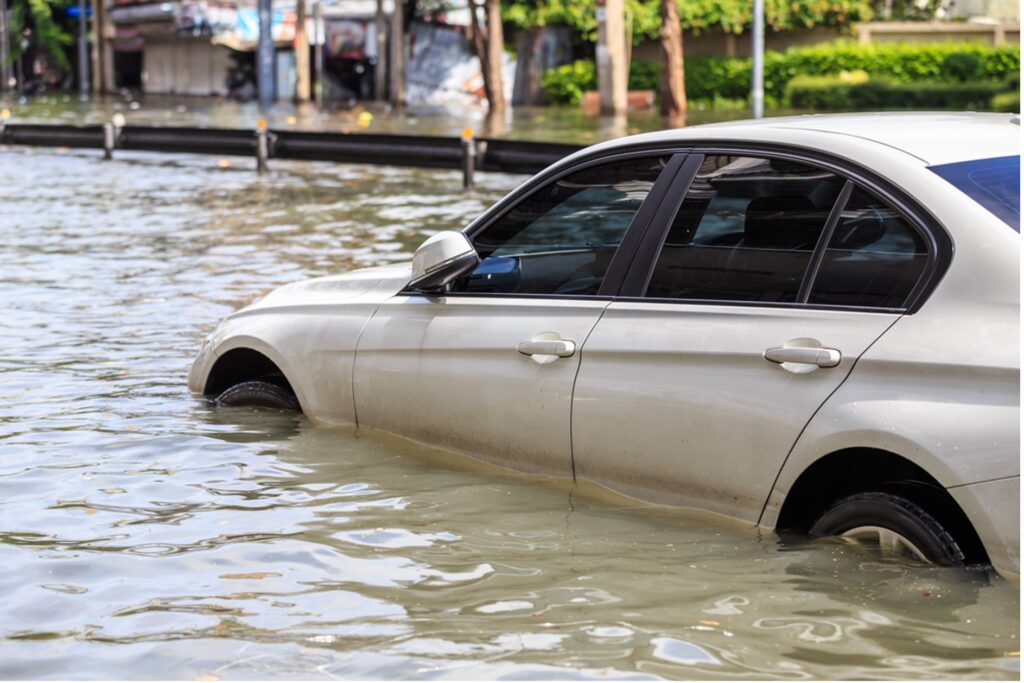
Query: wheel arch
{"points": [[244, 359], [859, 469]]}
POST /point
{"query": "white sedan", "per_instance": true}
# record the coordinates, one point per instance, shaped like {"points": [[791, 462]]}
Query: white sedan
{"points": [[809, 324]]}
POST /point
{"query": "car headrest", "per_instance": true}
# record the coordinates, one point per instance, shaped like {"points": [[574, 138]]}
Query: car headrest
{"points": [[782, 222]]}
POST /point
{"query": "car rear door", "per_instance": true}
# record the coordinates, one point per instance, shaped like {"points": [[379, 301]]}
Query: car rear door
{"points": [[760, 283], [488, 368]]}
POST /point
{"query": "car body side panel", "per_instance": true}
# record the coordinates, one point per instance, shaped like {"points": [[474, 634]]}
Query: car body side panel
{"points": [[676, 404], [309, 330]]}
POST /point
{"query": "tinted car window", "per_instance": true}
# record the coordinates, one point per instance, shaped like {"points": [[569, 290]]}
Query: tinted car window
{"points": [[746, 231], [993, 183], [873, 259], [561, 238]]}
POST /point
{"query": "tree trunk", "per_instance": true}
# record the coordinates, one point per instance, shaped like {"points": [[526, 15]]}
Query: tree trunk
{"points": [[612, 71], [673, 90], [302, 79], [479, 44], [495, 51], [380, 69], [397, 53]]}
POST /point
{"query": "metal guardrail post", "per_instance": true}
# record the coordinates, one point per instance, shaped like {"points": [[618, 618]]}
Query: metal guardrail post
{"points": [[320, 89], [262, 146], [468, 158], [111, 133], [108, 141]]}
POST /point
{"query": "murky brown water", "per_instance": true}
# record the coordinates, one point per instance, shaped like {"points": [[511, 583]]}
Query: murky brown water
{"points": [[145, 534]]}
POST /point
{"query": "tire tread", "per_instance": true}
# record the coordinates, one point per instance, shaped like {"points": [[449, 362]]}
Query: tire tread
{"points": [[258, 393], [887, 510]]}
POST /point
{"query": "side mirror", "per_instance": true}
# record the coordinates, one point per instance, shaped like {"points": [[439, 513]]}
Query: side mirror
{"points": [[442, 259]]}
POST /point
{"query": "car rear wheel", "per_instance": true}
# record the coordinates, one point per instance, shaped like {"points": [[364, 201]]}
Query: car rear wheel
{"points": [[891, 524], [258, 393]]}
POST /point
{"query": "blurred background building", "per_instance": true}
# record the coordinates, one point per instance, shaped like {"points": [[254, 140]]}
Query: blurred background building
{"points": [[207, 47]]}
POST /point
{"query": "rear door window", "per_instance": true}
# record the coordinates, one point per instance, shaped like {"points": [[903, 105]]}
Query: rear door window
{"points": [[874, 259], [746, 231]]}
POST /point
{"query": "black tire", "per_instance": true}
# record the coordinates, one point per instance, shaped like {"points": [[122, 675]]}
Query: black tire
{"points": [[894, 513], [260, 394]]}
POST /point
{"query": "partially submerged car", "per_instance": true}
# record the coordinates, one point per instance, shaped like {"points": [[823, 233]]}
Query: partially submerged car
{"points": [[809, 324]]}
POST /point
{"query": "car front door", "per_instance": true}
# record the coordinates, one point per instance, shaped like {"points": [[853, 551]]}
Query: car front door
{"points": [[741, 314], [487, 368]]}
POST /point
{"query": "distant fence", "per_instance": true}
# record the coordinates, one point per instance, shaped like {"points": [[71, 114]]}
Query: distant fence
{"points": [[468, 155]]}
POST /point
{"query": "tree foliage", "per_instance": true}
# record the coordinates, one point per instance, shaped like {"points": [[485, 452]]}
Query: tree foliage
{"points": [[727, 15], [44, 18]]}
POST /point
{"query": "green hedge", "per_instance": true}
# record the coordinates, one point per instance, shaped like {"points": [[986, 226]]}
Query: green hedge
{"points": [[825, 93], [1007, 101], [710, 78]]}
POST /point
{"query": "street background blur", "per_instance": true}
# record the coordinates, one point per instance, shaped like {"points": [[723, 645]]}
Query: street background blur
{"points": [[547, 69]]}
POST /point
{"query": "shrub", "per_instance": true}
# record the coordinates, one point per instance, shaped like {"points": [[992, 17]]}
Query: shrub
{"points": [[1007, 101], [566, 84], [644, 75], [838, 93], [963, 66]]}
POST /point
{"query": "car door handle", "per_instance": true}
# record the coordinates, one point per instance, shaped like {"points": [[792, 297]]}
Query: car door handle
{"points": [[563, 348], [803, 355]]}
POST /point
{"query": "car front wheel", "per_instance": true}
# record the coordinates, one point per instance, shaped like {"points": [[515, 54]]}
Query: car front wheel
{"points": [[895, 525], [260, 394]]}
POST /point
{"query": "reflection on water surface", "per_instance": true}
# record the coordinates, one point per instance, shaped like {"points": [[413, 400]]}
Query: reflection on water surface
{"points": [[148, 535]]}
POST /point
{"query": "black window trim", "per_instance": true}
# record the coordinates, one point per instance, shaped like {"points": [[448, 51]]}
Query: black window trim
{"points": [[940, 245], [937, 240]]}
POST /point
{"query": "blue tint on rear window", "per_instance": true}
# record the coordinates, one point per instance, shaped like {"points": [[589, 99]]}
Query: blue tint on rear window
{"points": [[993, 183]]}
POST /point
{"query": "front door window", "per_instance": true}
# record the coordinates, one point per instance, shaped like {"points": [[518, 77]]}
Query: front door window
{"points": [[561, 238]]}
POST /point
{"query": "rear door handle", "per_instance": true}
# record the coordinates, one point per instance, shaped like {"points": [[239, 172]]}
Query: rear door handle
{"points": [[803, 355], [546, 347]]}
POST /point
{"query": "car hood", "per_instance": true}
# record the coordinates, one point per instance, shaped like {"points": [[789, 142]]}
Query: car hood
{"points": [[368, 285]]}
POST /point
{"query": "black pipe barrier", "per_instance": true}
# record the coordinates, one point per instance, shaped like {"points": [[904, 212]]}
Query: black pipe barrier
{"points": [[497, 155]]}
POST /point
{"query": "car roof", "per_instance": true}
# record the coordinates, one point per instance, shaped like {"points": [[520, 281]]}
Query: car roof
{"points": [[932, 137]]}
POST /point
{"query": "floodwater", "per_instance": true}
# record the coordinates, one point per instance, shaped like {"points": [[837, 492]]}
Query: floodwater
{"points": [[561, 124], [146, 534]]}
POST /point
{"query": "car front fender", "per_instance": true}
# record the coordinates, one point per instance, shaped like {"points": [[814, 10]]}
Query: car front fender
{"points": [[313, 347]]}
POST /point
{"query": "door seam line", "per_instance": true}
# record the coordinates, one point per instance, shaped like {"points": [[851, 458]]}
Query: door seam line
{"points": [[572, 392], [355, 357]]}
